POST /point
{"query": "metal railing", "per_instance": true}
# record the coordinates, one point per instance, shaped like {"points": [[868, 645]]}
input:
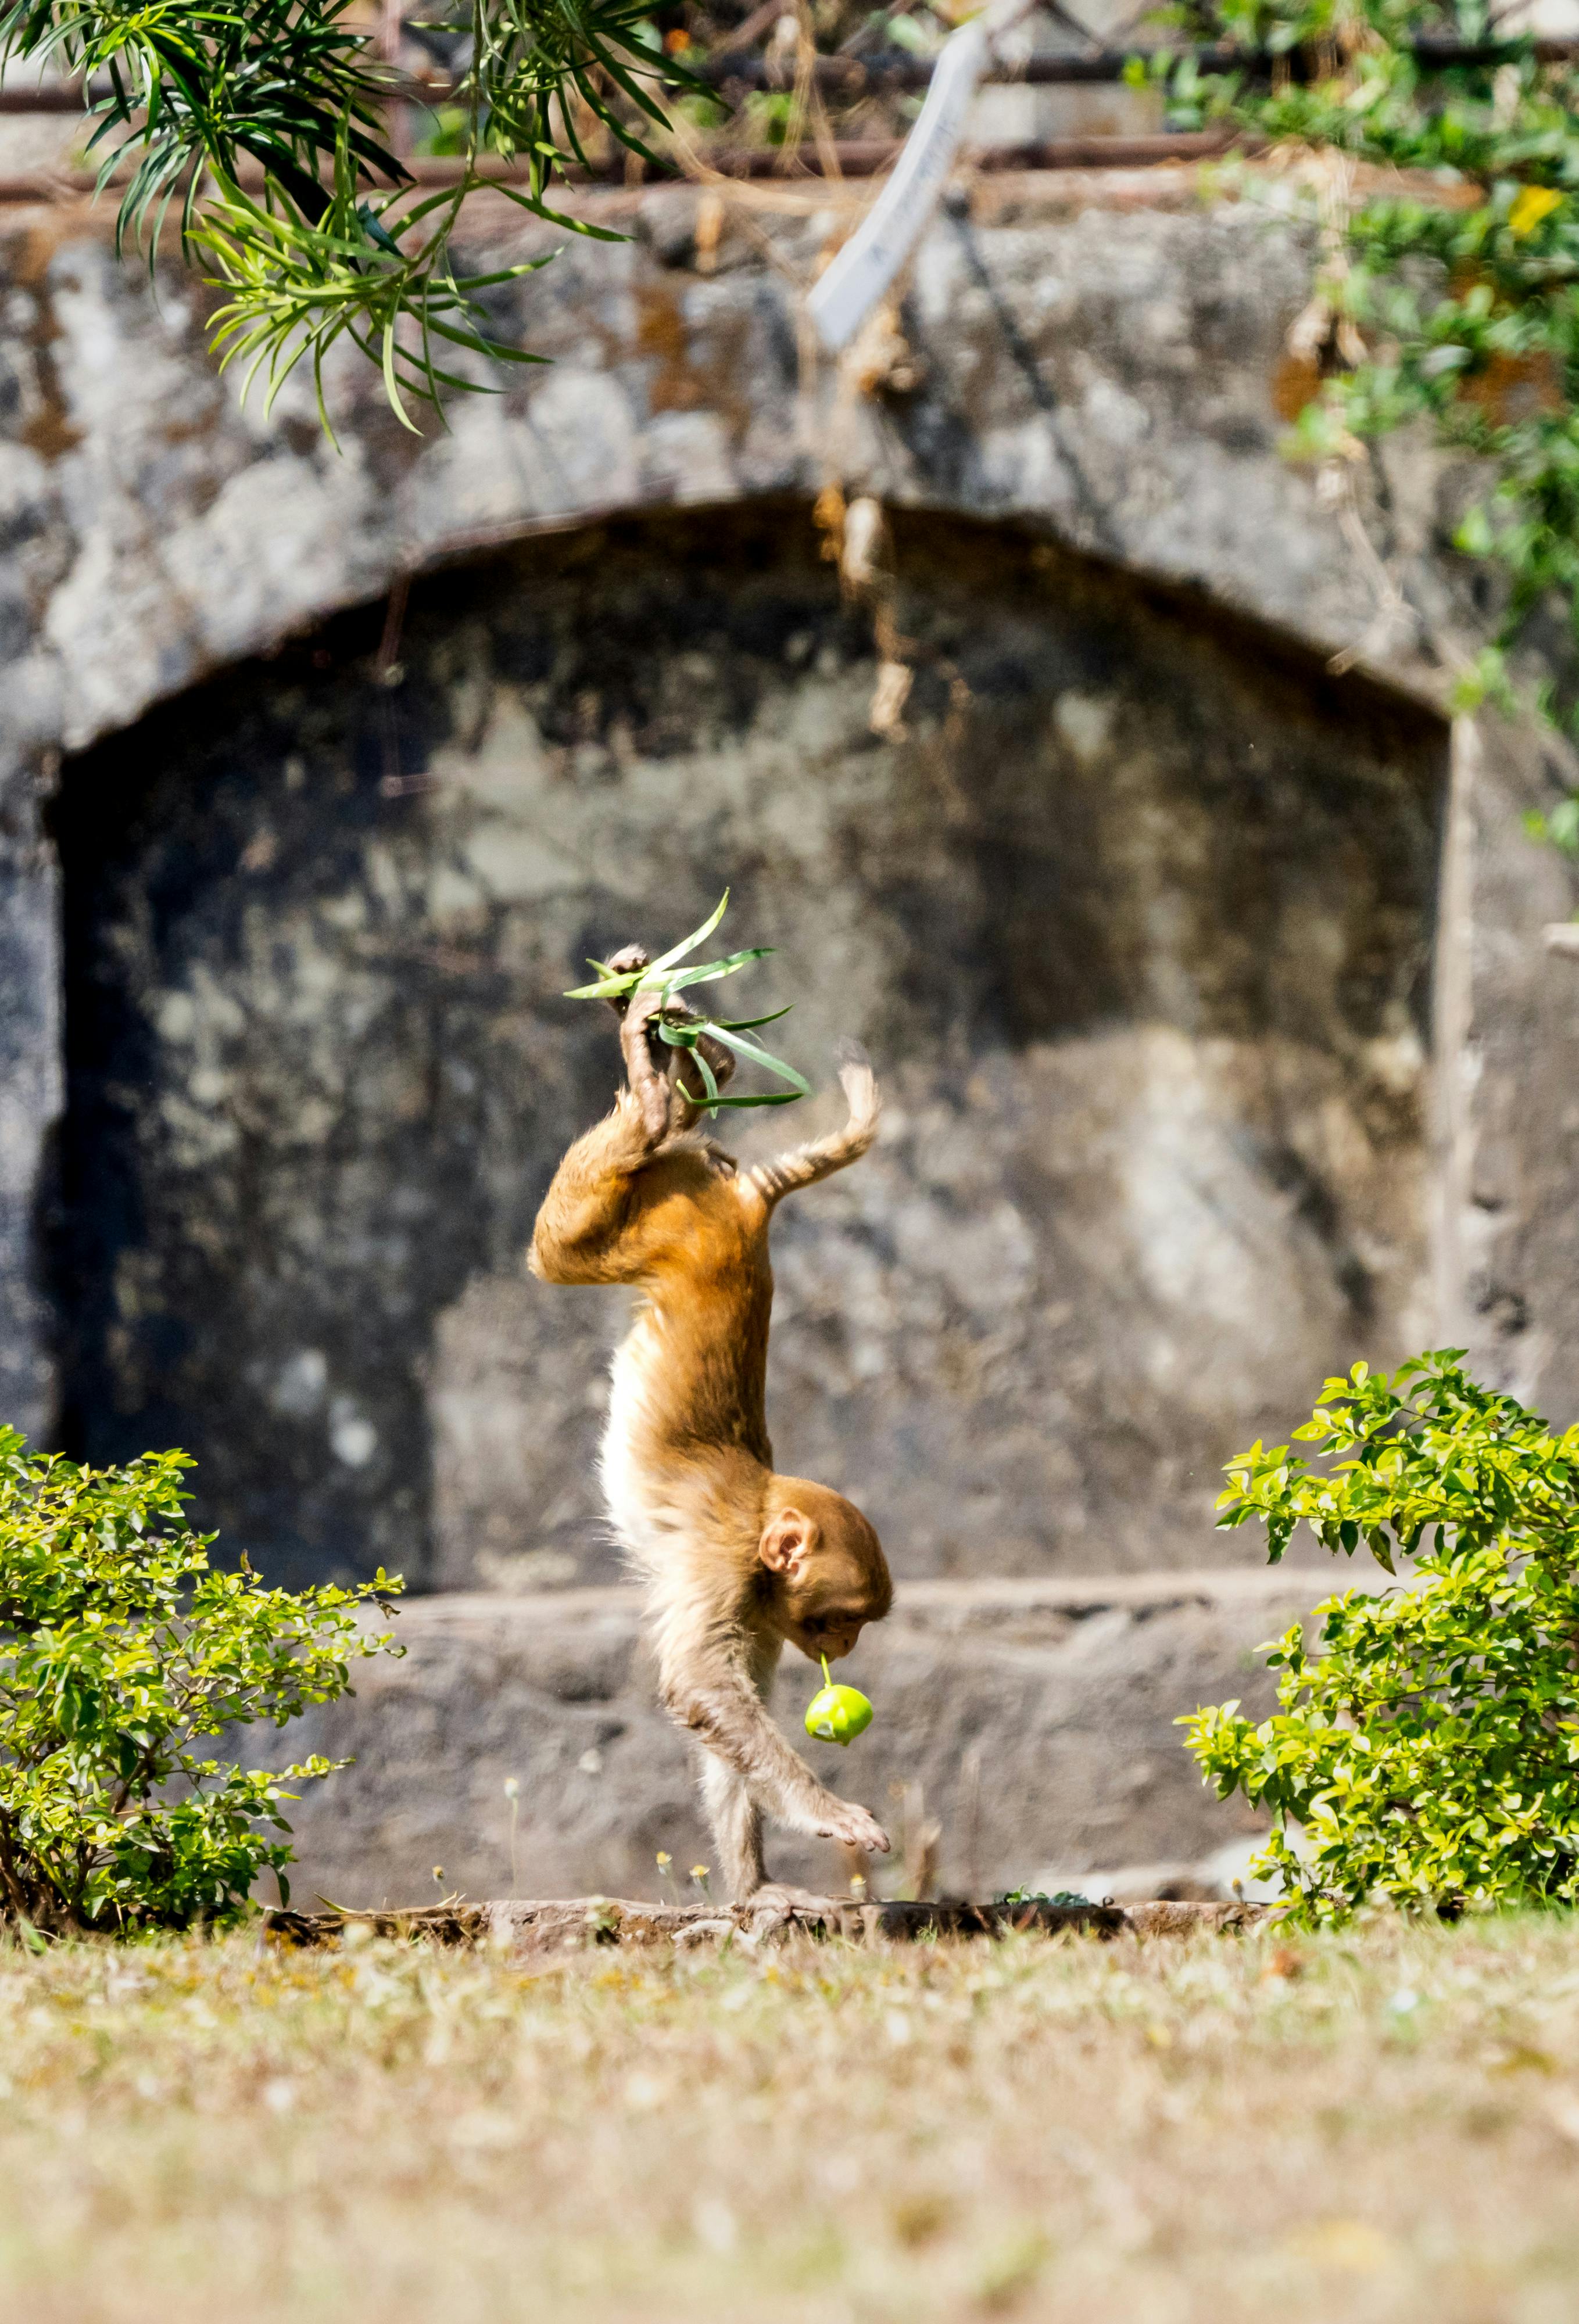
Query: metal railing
{"points": [[740, 72]]}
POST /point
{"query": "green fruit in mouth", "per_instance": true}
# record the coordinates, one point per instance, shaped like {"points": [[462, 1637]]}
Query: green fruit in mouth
{"points": [[837, 1714]]}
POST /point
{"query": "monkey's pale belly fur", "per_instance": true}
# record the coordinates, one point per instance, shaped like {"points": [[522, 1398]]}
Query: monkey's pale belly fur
{"points": [[644, 1511]]}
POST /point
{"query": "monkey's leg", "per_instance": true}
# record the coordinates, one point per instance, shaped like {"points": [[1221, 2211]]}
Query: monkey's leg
{"points": [[805, 1165], [650, 1085], [577, 1237], [737, 1824]]}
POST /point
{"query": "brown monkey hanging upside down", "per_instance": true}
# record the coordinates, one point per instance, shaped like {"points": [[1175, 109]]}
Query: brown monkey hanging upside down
{"points": [[736, 1558]]}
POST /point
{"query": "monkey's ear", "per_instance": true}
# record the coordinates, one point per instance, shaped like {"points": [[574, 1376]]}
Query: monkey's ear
{"points": [[787, 1543]]}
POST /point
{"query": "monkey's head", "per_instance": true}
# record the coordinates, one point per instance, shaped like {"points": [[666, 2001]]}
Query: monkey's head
{"points": [[823, 1566]]}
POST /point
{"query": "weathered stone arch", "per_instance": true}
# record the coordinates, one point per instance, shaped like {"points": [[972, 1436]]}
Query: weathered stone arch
{"points": [[1100, 360], [1136, 917]]}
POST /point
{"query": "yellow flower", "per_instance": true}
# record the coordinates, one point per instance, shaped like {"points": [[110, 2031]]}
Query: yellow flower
{"points": [[699, 1872], [1535, 203], [664, 1858]]}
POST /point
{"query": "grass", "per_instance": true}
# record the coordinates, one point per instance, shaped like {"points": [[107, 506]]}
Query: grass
{"points": [[1382, 2124]]}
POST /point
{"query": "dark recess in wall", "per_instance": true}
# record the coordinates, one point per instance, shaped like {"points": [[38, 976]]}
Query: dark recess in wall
{"points": [[313, 1098]]}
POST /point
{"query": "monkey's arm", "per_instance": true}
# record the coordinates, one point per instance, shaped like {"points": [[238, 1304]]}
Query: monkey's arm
{"points": [[707, 1685]]}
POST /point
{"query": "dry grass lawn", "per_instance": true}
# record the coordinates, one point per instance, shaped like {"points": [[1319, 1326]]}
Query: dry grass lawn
{"points": [[1382, 2124]]}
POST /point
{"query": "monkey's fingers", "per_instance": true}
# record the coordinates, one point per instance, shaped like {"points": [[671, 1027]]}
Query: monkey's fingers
{"points": [[854, 1828], [625, 963], [775, 1906]]}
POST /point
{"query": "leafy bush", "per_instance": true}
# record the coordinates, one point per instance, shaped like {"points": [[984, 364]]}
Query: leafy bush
{"points": [[1427, 1744], [122, 1651], [191, 96]]}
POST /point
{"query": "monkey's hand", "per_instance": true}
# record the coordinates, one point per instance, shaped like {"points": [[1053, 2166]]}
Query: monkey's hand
{"points": [[851, 1826], [657, 1072]]}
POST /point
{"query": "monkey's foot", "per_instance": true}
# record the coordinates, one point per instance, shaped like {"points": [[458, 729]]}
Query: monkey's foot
{"points": [[776, 1904]]}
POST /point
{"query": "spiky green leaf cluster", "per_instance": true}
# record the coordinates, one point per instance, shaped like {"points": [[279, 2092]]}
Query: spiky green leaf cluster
{"points": [[332, 243], [682, 1028], [125, 1659], [1463, 283], [1426, 1748]]}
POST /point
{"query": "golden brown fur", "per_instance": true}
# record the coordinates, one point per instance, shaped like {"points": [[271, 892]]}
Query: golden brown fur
{"points": [[737, 1558]]}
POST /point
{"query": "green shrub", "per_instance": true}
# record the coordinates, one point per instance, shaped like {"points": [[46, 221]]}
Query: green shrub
{"points": [[122, 1652], [1427, 1743]]}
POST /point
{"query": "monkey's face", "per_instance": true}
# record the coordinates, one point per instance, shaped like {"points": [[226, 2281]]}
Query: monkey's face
{"points": [[827, 1574]]}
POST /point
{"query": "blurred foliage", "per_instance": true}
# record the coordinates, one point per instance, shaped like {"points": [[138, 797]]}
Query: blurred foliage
{"points": [[263, 129], [122, 1653], [1425, 1749], [185, 95], [1451, 296]]}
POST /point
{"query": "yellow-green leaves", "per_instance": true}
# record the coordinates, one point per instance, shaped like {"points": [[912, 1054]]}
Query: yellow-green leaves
{"points": [[1530, 206], [1426, 1748], [123, 1653], [1456, 308]]}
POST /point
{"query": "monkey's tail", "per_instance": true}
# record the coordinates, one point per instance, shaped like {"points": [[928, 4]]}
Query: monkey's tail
{"points": [[803, 1165]]}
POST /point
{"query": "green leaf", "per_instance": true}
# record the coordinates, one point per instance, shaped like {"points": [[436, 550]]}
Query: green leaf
{"points": [[652, 975], [745, 1024], [764, 1097], [681, 980], [761, 1056]]}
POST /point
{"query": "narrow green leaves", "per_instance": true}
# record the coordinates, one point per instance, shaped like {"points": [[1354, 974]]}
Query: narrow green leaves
{"points": [[335, 245], [687, 1031]]}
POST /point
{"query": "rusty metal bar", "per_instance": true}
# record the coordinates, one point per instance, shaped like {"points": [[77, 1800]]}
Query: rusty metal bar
{"points": [[863, 157], [896, 69]]}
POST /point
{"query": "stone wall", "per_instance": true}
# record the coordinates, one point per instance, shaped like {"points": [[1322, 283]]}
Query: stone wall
{"points": [[1096, 363]]}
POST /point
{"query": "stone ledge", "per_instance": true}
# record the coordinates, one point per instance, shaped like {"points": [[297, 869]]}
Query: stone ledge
{"points": [[995, 1597], [572, 1925]]}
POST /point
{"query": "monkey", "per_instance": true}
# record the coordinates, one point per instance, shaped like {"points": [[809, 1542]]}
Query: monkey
{"points": [[737, 1560]]}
